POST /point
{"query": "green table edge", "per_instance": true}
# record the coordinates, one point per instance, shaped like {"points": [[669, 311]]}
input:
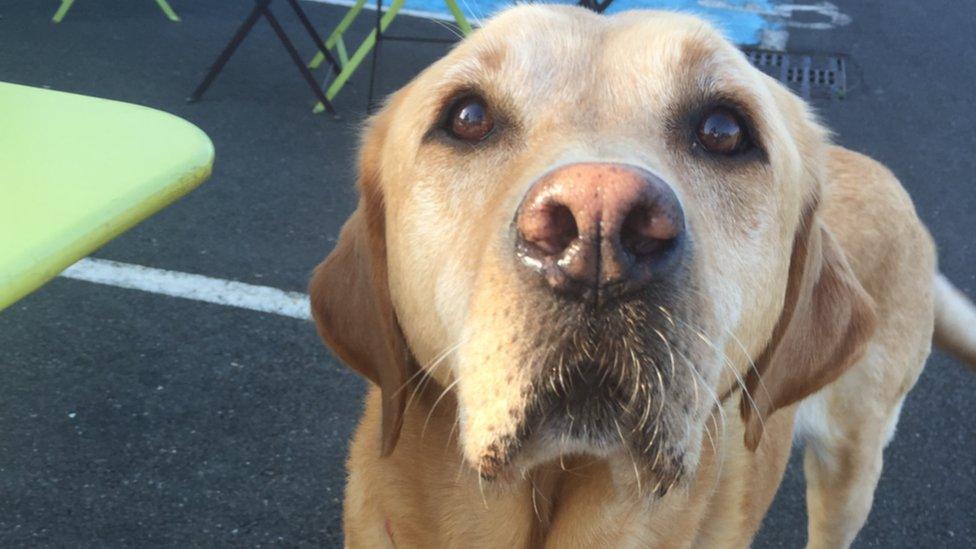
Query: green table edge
{"points": [[47, 268]]}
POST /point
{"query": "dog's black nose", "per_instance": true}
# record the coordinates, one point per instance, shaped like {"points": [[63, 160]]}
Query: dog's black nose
{"points": [[599, 227]]}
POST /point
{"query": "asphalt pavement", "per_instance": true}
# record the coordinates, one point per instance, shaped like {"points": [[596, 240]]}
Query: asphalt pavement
{"points": [[130, 419]]}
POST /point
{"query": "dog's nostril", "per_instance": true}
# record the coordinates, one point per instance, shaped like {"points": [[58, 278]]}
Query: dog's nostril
{"points": [[551, 229], [646, 231]]}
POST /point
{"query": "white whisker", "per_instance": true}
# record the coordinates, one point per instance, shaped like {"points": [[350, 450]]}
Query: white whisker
{"points": [[721, 412], [481, 487], [535, 506], [731, 368], [450, 434], [668, 345], [451, 28], [428, 371], [436, 402], [636, 375], [752, 363], [633, 462]]}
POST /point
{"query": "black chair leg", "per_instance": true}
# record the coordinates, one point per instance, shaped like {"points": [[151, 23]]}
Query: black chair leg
{"points": [[315, 36], [370, 107], [297, 59], [229, 50], [261, 8]]}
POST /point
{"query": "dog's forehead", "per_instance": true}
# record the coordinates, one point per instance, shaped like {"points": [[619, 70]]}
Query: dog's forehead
{"points": [[535, 52]]}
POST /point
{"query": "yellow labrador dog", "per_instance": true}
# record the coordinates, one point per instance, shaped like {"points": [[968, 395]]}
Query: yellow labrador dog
{"points": [[601, 272]]}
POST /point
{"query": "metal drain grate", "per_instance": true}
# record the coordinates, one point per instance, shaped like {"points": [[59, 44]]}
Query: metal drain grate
{"points": [[814, 76]]}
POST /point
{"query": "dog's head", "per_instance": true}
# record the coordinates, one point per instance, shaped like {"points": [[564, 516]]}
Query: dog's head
{"points": [[592, 229]]}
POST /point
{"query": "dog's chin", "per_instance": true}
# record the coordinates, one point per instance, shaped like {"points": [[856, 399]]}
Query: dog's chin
{"points": [[544, 448], [647, 476], [652, 460]]}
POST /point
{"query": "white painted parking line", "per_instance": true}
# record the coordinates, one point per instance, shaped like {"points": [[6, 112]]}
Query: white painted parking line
{"points": [[191, 286]]}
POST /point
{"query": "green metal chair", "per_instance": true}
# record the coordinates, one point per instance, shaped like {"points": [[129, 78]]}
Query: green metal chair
{"points": [[371, 42], [343, 66], [66, 5]]}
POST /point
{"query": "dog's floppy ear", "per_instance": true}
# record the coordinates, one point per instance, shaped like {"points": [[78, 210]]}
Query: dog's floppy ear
{"points": [[350, 299], [826, 322]]}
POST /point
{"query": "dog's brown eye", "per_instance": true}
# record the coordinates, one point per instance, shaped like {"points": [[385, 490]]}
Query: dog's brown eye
{"points": [[470, 119], [721, 132]]}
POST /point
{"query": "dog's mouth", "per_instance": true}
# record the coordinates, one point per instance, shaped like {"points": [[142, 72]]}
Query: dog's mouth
{"points": [[623, 379]]}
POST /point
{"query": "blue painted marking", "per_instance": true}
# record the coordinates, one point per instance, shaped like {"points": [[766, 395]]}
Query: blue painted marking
{"points": [[742, 27]]}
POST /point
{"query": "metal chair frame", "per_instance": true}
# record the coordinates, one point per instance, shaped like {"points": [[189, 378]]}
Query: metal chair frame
{"points": [[262, 9], [66, 5]]}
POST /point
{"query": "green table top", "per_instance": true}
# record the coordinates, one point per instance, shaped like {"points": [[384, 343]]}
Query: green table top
{"points": [[77, 171]]}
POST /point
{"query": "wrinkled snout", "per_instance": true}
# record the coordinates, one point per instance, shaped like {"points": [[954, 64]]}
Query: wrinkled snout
{"points": [[597, 231]]}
